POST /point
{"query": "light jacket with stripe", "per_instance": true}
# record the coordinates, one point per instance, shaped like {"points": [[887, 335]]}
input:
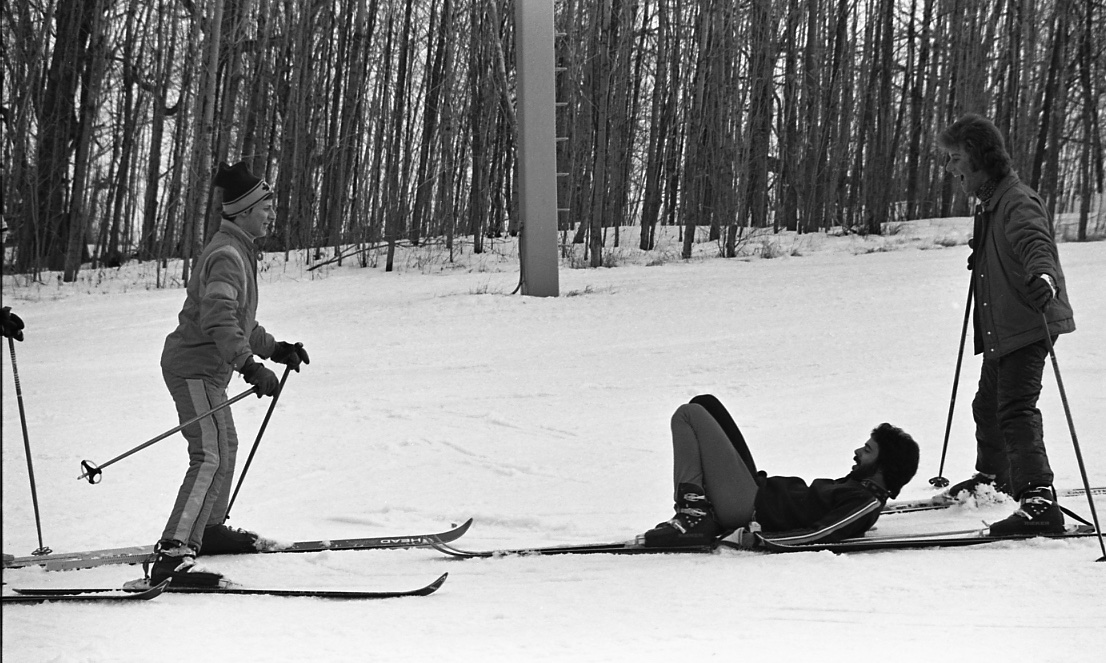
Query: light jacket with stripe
{"points": [[790, 511], [218, 329]]}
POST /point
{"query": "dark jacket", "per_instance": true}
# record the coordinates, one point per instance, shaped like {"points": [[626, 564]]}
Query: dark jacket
{"points": [[1017, 241], [827, 510], [217, 328]]}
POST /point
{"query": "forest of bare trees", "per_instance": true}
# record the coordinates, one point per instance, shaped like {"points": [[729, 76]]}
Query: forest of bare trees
{"points": [[392, 121]]}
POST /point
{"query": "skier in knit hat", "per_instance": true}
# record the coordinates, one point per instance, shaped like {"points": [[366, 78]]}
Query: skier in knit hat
{"points": [[218, 335], [719, 490]]}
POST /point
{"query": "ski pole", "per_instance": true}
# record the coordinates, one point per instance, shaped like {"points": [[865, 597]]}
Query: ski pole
{"points": [[92, 471], [1074, 439], [42, 550], [940, 481], [260, 432]]}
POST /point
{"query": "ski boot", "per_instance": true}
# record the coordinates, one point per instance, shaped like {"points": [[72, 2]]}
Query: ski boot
{"points": [[693, 524], [973, 484], [1038, 514], [177, 562], [223, 540]]}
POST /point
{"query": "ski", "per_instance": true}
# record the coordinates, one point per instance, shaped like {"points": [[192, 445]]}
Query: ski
{"points": [[135, 554], [624, 548], [41, 596], [863, 544], [943, 501], [139, 589]]}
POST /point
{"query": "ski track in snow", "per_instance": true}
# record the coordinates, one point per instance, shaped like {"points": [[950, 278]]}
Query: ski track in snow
{"points": [[428, 402]]}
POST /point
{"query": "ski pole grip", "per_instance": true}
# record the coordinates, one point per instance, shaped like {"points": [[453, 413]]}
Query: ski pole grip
{"points": [[91, 472]]}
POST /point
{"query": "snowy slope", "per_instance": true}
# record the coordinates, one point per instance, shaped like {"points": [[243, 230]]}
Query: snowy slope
{"points": [[434, 396]]}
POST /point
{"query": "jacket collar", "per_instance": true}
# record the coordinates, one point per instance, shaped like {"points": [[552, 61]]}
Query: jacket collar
{"points": [[232, 229], [879, 491], [1004, 185]]}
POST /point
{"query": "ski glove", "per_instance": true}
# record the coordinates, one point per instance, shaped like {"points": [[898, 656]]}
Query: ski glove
{"points": [[1039, 291], [11, 323], [971, 255], [290, 354], [265, 380]]}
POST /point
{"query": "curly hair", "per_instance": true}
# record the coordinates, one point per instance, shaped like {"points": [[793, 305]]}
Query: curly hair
{"points": [[982, 142], [898, 456]]}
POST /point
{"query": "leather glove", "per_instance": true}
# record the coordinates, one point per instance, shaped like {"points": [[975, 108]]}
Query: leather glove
{"points": [[11, 323], [971, 256], [291, 355], [1039, 291], [260, 377]]}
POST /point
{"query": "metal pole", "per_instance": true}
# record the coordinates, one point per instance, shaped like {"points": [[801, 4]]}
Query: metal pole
{"points": [[91, 470], [537, 149], [940, 481], [1074, 438], [264, 423], [42, 549]]}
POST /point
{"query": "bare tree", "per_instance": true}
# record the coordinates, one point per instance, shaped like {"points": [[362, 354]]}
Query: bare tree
{"points": [[394, 119]]}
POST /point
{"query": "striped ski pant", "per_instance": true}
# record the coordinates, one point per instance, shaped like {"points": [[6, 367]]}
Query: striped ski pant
{"points": [[212, 448]]}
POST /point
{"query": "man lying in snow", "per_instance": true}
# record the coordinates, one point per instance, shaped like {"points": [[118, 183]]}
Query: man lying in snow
{"points": [[718, 487]]}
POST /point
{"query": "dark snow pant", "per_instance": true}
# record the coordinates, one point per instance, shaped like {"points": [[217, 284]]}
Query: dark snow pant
{"points": [[1008, 429], [212, 448], [704, 455]]}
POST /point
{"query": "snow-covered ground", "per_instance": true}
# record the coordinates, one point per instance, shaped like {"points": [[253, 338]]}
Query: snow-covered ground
{"points": [[434, 396]]}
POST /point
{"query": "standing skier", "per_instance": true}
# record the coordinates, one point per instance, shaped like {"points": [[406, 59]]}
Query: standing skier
{"points": [[1018, 286], [217, 335], [718, 487]]}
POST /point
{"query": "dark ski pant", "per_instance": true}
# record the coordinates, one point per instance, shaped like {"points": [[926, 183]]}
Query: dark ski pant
{"points": [[1008, 429], [709, 451], [212, 448]]}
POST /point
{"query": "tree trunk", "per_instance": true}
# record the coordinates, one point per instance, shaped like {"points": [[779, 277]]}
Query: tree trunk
{"points": [[95, 56], [164, 50], [394, 206], [602, 97], [200, 170], [761, 65], [58, 134], [660, 112], [1056, 77]]}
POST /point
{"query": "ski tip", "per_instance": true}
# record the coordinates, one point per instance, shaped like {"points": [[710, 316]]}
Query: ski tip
{"points": [[433, 587], [428, 590], [161, 587]]}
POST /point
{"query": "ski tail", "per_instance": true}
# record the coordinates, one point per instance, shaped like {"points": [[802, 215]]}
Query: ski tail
{"points": [[32, 595]]}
